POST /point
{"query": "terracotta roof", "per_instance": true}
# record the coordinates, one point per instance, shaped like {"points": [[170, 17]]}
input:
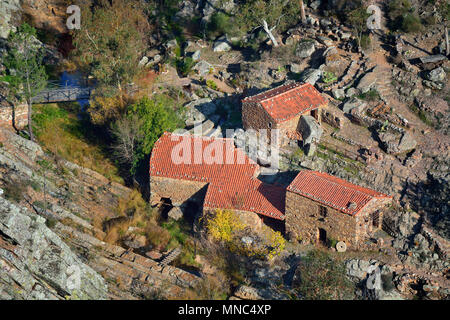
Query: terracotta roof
{"points": [[253, 196], [285, 102], [167, 159], [333, 192]]}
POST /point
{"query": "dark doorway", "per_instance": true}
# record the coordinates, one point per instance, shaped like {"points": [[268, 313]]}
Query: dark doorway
{"points": [[376, 219], [322, 236], [315, 114], [164, 207], [190, 211]]}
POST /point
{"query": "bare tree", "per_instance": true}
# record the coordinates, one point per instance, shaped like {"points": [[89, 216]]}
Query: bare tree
{"points": [[255, 14], [302, 11], [127, 131]]}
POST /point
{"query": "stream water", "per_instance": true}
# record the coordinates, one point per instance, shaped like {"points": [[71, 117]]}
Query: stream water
{"points": [[74, 79]]}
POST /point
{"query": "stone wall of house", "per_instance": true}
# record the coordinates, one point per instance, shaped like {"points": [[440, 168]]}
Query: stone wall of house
{"points": [[21, 116], [255, 117], [303, 221], [364, 219], [178, 191]]}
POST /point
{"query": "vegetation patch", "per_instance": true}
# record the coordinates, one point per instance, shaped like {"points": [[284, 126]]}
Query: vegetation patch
{"points": [[321, 277], [60, 131]]}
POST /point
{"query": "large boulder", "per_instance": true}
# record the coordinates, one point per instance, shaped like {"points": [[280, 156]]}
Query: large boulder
{"points": [[369, 81], [436, 75], [222, 44], [9, 11], [311, 76], [354, 103], [305, 49], [203, 68], [310, 129], [395, 144]]}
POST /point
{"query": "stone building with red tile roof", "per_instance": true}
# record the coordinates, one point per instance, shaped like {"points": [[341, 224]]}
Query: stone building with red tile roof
{"points": [[213, 174], [281, 108], [321, 207]]}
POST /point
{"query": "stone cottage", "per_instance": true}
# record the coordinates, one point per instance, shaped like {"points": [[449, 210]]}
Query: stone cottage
{"points": [[320, 207], [282, 108], [211, 173]]}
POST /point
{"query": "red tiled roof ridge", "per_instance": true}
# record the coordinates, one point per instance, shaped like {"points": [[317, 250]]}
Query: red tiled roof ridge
{"points": [[348, 185], [289, 86], [287, 101], [361, 196]]}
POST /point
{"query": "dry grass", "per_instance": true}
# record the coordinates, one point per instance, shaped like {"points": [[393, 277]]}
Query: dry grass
{"points": [[63, 134]]}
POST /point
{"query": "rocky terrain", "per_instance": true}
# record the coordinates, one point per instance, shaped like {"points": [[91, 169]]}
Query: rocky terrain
{"points": [[48, 237], [386, 128]]}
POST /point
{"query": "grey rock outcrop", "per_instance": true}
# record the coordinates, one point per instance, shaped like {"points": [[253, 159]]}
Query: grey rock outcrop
{"points": [[354, 103], [9, 10], [436, 75], [222, 45], [203, 68], [310, 129], [305, 49], [38, 263], [311, 76]]}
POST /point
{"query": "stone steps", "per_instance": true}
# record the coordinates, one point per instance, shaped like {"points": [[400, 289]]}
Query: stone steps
{"points": [[171, 256]]}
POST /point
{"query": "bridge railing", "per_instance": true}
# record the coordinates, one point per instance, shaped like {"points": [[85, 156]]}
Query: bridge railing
{"points": [[68, 94]]}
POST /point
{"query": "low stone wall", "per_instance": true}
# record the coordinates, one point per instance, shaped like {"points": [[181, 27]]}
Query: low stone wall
{"points": [[336, 119], [21, 116], [368, 121]]}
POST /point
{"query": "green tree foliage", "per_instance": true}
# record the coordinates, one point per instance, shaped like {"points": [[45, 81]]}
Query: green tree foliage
{"points": [[24, 61], [320, 277], [277, 13], [403, 16], [112, 40], [357, 18], [141, 127]]}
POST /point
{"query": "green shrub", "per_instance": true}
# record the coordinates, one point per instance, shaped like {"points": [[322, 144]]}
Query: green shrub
{"points": [[211, 84], [329, 77], [50, 223], [371, 95], [332, 243], [365, 41], [411, 23], [184, 66]]}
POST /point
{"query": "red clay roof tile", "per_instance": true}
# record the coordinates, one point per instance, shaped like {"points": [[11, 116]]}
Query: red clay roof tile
{"points": [[252, 195], [199, 162], [333, 192], [289, 100]]}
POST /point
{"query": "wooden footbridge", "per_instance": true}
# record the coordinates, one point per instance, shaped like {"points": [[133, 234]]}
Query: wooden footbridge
{"points": [[64, 94]]}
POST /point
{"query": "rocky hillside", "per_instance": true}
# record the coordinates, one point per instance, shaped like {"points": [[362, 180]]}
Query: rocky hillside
{"points": [[51, 215]]}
